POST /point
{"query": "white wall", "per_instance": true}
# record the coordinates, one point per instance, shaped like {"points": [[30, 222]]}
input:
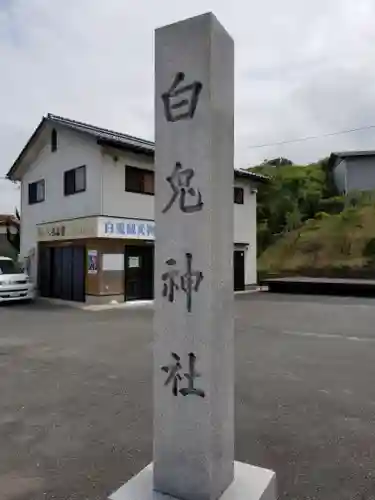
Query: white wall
{"points": [[116, 201], [360, 173], [119, 203], [245, 228], [73, 151], [339, 175]]}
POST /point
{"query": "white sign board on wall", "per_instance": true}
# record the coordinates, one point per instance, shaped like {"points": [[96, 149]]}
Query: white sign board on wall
{"points": [[116, 227], [97, 227], [113, 262], [85, 227]]}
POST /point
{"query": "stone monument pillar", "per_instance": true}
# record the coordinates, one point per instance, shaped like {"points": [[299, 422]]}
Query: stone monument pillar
{"points": [[193, 323]]}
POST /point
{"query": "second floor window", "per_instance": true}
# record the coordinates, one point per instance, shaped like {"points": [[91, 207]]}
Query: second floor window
{"points": [[139, 180], [37, 192], [238, 195], [53, 140], [75, 180]]}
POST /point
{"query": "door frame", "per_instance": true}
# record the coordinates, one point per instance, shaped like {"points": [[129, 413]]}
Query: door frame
{"points": [[239, 285], [145, 251]]}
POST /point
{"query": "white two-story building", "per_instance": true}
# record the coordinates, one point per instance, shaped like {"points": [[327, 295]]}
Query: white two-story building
{"points": [[87, 213]]}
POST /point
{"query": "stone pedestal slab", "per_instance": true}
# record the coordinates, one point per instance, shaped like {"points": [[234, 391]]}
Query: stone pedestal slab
{"points": [[250, 483]]}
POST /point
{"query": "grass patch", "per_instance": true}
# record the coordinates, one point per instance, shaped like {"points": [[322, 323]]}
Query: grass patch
{"points": [[343, 240]]}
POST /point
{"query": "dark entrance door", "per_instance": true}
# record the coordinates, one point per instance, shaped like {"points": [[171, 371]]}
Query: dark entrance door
{"points": [[139, 272], [62, 272], [44, 271], [239, 270], [78, 274], [57, 272]]}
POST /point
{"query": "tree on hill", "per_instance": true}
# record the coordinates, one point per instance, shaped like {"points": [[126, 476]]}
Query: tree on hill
{"points": [[278, 162], [293, 196]]}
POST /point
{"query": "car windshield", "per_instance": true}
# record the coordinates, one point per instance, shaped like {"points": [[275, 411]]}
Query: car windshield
{"points": [[9, 267]]}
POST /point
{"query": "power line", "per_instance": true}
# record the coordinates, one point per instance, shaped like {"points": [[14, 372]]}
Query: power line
{"points": [[310, 137]]}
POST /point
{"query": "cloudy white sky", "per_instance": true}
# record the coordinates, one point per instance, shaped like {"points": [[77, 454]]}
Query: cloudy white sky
{"points": [[302, 68]]}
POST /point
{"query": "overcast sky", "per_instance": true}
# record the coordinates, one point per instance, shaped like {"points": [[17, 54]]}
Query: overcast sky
{"points": [[303, 67]]}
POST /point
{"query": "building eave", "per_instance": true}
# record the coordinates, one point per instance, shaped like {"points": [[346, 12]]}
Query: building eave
{"points": [[343, 155], [12, 173], [126, 147], [252, 176]]}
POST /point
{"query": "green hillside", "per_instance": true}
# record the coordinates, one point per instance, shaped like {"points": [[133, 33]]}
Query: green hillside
{"points": [[304, 227]]}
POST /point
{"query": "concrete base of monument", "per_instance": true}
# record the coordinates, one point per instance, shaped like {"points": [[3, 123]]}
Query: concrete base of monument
{"points": [[250, 483]]}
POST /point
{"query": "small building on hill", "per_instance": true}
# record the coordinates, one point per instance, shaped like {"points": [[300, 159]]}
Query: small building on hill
{"points": [[353, 171]]}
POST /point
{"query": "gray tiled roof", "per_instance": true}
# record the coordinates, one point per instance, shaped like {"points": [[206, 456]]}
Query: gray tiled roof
{"points": [[341, 155], [102, 133], [239, 172], [345, 154]]}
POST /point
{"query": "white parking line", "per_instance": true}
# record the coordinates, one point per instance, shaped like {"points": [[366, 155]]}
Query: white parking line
{"points": [[328, 336], [120, 305]]}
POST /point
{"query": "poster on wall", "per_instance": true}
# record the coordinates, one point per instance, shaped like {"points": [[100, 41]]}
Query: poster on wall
{"points": [[93, 262]]}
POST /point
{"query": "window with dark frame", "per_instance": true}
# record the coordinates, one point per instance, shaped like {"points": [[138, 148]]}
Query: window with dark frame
{"points": [[238, 195], [139, 180], [75, 180], [53, 140], [37, 192]]}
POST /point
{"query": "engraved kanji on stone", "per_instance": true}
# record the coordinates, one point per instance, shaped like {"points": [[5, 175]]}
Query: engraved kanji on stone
{"points": [[190, 198], [180, 101], [170, 277], [188, 282], [173, 375], [175, 378]]}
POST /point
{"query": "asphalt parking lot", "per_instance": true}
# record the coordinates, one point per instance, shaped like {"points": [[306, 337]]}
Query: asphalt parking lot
{"points": [[76, 405]]}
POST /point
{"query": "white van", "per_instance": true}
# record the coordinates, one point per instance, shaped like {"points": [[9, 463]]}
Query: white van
{"points": [[15, 283]]}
